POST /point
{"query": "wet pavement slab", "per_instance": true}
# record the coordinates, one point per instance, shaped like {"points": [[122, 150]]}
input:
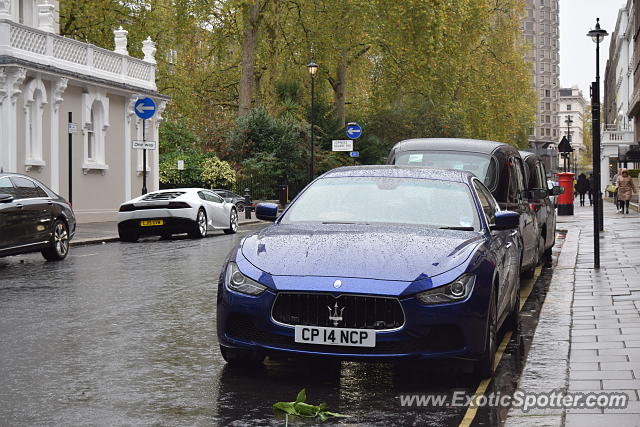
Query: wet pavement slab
{"points": [[125, 334]]}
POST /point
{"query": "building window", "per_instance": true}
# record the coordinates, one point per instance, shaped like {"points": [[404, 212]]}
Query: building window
{"points": [[95, 120], [547, 93], [91, 138], [35, 99], [568, 107], [555, 133]]}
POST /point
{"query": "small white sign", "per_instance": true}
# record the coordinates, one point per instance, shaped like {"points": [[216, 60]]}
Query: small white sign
{"points": [[144, 145], [72, 127], [180, 165], [342, 145]]}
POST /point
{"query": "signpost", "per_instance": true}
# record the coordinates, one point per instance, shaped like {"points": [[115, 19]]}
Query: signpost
{"points": [[354, 154], [144, 108], [342, 145], [72, 127]]}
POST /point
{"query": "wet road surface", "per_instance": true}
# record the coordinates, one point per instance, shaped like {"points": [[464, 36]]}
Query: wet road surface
{"points": [[124, 334]]}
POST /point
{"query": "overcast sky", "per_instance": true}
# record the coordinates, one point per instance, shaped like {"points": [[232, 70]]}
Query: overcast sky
{"points": [[577, 51]]}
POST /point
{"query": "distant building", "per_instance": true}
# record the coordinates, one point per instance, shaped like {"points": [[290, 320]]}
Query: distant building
{"points": [[44, 80], [620, 102], [541, 31], [572, 106]]}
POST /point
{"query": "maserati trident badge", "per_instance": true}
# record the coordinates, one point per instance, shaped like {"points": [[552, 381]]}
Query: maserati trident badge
{"points": [[335, 315], [337, 284]]}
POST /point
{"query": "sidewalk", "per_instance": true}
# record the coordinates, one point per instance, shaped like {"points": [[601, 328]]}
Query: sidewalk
{"points": [[588, 336], [98, 232]]}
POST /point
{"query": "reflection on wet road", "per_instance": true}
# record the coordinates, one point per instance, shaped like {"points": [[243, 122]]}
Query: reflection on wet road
{"points": [[125, 334]]}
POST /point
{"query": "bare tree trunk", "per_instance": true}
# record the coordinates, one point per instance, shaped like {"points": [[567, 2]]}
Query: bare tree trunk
{"points": [[251, 17], [338, 90]]}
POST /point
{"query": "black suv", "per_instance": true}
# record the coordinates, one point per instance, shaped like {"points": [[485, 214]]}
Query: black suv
{"points": [[500, 168], [33, 218]]}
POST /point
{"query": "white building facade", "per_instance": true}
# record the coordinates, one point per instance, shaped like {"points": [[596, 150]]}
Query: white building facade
{"points": [[618, 128], [47, 81], [572, 107]]}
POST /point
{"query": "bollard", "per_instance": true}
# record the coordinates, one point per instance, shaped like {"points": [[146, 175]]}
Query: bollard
{"points": [[247, 204], [283, 195], [565, 200]]}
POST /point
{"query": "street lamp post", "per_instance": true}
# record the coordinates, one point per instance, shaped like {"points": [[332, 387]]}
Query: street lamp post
{"points": [[597, 35], [569, 122], [313, 69]]}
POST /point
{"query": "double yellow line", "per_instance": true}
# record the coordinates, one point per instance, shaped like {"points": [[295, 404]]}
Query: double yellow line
{"points": [[525, 290]]}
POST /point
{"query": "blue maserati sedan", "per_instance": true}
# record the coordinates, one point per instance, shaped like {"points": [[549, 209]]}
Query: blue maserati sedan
{"points": [[375, 262]]}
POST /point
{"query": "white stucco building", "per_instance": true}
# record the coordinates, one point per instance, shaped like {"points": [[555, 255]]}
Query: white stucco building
{"points": [[572, 107], [618, 130], [44, 80]]}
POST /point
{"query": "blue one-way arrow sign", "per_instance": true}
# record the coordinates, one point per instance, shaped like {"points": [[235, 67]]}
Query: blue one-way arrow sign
{"points": [[145, 108], [353, 130]]}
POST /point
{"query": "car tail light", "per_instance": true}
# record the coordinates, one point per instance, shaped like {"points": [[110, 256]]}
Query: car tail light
{"points": [[127, 208], [179, 205]]}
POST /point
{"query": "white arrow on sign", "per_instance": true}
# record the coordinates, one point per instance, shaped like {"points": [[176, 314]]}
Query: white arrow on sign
{"points": [[142, 108], [352, 131]]}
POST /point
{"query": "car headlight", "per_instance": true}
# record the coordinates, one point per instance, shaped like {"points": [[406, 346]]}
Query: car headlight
{"points": [[236, 281], [452, 292]]}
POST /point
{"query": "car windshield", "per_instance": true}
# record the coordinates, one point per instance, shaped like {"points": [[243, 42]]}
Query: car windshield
{"points": [[368, 200], [479, 164]]}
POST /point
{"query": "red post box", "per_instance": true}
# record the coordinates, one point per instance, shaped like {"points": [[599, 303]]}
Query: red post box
{"points": [[565, 200]]}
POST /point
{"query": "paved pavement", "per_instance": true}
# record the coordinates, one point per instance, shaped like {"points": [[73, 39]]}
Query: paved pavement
{"points": [[588, 336], [97, 232]]}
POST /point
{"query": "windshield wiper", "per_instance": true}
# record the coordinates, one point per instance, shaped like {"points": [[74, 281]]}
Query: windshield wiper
{"points": [[458, 228]]}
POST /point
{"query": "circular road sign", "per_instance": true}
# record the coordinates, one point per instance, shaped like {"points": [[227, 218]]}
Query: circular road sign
{"points": [[145, 108], [354, 130]]}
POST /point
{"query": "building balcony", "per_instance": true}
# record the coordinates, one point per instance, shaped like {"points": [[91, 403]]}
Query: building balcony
{"points": [[51, 50]]}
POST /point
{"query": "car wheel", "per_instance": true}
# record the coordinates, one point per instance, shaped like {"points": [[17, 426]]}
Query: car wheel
{"points": [[233, 222], [127, 236], [484, 366], [200, 227], [59, 244], [237, 356], [240, 206]]}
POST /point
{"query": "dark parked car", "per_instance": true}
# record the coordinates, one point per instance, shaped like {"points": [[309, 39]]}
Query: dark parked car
{"points": [[231, 197], [538, 195], [305, 286], [498, 165], [33, 218]]}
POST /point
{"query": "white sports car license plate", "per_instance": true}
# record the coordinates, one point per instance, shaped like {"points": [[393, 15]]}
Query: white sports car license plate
{"points": [[335, 336]]}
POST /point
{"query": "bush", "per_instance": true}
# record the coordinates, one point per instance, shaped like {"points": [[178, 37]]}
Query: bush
{"points": [[190, 176], [217, 173], [633, 173]]}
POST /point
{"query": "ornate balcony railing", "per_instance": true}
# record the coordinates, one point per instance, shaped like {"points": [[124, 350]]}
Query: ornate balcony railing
{"points": [[617, 137], [50, 49]]}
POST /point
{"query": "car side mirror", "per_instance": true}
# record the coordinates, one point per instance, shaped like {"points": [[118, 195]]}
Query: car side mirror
{"points": [[6, 198], [535, 194], [267, 211], [557, 190], [506, 220]]}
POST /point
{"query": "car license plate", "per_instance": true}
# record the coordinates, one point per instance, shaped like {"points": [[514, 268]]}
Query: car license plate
{"points": [[151, 222], [335, 336]]}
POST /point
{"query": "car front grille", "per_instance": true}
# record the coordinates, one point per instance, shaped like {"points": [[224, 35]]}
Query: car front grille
{"points": [[439, 338], [344, 311]]}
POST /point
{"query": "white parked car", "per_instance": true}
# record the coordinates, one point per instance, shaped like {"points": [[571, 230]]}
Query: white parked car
{"points": [[194, 211]]}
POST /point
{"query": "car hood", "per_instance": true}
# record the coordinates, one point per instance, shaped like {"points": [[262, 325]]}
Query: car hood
{"points": [[383, 252]]}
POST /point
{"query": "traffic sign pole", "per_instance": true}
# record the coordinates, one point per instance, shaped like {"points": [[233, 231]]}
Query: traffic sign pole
{"points": [[70, 161], [144, 158]]}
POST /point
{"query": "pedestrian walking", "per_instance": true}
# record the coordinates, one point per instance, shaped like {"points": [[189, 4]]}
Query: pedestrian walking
{"points": [[625, 190], [582, 186], [614, 182], [590, 189]]}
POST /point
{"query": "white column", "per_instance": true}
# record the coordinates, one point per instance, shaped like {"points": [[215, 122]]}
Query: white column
{"points": [[128, 119], [11, 79], [59, 86], [5, 9]]}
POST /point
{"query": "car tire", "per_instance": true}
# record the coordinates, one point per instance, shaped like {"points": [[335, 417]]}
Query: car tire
{"points": [[128, 236], [233, 223], [58, 247], [199, 230], [484, 365], [240, 206], [238, 356]]}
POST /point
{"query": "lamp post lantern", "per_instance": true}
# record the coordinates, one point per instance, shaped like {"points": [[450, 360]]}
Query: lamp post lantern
{"points": [[597, 35], [313, 69]]}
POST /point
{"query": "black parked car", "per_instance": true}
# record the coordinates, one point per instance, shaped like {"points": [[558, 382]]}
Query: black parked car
{"points": [[33, 218], [539, 194], [500, 168], [231, 197]]}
